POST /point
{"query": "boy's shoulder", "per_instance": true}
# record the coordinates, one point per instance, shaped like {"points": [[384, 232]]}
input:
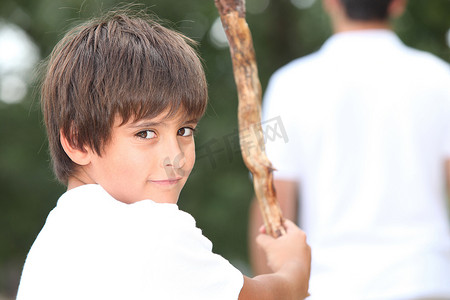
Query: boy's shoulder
{"points": [[91, 237], [93, 199]]}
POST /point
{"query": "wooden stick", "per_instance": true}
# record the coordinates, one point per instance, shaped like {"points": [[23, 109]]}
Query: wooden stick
{"points": [[232, 15]]}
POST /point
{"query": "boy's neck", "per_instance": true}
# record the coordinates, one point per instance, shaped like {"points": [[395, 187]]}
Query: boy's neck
{"points": [[76, 181]]}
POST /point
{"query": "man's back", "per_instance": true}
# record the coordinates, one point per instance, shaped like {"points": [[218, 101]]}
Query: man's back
{"points": [[368, 122]]}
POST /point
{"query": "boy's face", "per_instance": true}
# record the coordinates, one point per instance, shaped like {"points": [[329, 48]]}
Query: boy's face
{"points": [[146, 159]]}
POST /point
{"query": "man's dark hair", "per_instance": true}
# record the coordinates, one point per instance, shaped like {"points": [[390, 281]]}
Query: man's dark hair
{"points": [[367, 10]]}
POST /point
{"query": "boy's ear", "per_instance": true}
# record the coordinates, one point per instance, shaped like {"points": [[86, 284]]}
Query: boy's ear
{"points": [[80, 156]]}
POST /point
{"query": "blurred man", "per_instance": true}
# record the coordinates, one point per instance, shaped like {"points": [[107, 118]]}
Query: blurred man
{"points": [[363, 172]]}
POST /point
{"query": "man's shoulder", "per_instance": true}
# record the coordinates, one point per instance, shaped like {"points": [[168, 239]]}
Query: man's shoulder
{"points": [[309, 60], [426, 60], [303, 66]]}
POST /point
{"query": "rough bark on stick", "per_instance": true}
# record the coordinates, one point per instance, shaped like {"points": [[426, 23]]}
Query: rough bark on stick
{"points": [[232, 14]]}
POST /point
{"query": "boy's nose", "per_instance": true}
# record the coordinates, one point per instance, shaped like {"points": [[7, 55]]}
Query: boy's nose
{"points": [[177, 162], [173, 157], [174, 166]]}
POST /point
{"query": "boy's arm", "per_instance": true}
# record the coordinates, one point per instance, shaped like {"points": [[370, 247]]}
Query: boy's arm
{"points": [[289, 256], [287, 195]]}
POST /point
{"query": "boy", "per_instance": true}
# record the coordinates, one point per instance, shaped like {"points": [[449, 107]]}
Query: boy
{"points": [[121, 99]]}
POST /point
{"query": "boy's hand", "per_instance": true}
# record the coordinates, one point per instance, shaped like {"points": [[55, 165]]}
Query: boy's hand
{"points": [[287, 248], [289, 255]]}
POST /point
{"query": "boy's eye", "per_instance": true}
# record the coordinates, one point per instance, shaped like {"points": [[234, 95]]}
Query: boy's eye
{"points": [[186, 131], [146, 134]]}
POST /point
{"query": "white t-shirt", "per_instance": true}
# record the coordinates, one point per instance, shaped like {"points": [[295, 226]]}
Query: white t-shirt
{"points": [[365, 127], [95, 247]]}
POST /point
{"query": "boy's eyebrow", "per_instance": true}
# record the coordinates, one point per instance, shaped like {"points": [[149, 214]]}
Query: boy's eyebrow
{"points": [[139, 124], [193, 121], [145, 124]]}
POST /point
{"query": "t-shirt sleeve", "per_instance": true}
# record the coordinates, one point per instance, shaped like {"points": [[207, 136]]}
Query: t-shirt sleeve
{"points": [[447, 140], [279, 128], [186, 267], [447, 129], [446, 117]]}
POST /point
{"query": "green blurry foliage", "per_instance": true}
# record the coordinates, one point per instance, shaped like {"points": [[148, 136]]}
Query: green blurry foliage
{"points": [[219, 191]]}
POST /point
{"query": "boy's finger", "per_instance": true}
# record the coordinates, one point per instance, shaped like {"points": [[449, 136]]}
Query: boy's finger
{"points": [[288, 224], [262, 229], [263, 239]]}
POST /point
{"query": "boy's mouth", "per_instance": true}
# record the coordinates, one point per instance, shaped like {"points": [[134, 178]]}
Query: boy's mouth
{"points": [[167, 181]]}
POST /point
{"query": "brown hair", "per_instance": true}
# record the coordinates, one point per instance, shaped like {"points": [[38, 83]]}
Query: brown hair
{"points": [[117, 65]]}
